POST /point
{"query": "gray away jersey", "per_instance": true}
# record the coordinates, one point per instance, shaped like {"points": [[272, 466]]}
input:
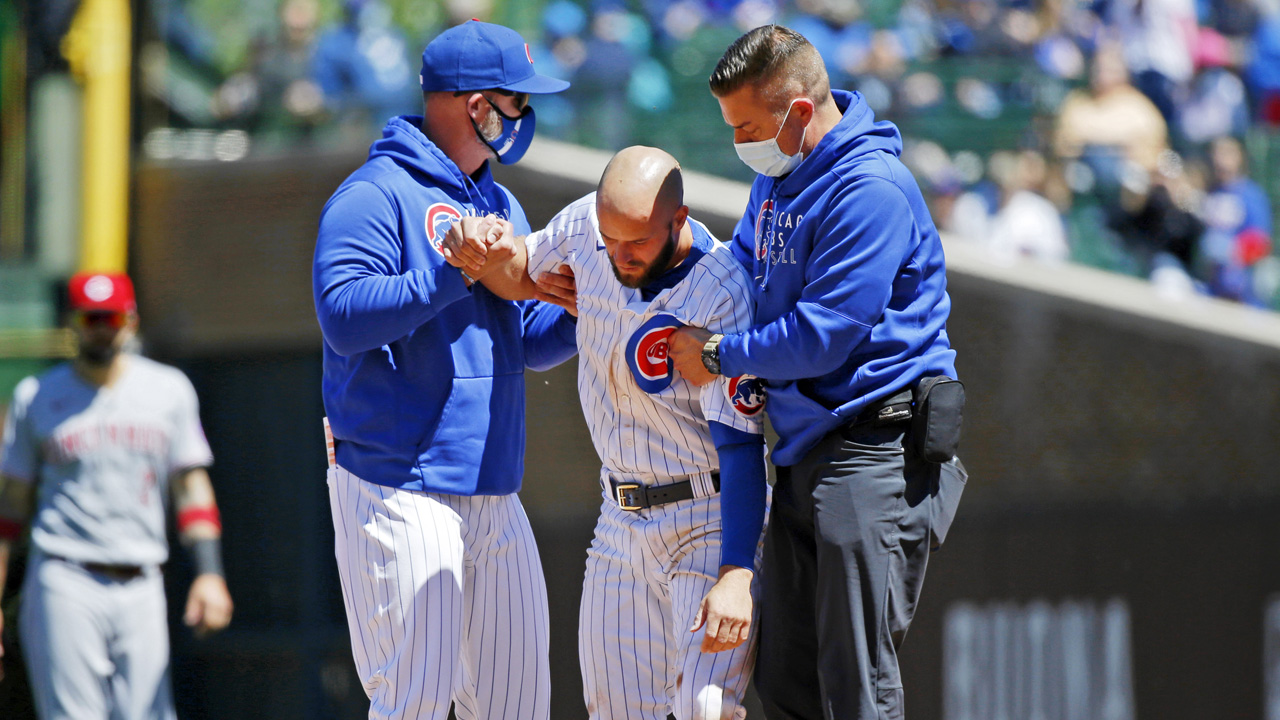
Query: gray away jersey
{"points": [[101, 458], [643, 417]]}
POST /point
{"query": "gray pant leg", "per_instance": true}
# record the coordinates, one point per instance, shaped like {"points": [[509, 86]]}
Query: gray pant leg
{"points": [[855, 523], [64, 629], [863, 571], [786, 675], [140, 652], [95, 648]]}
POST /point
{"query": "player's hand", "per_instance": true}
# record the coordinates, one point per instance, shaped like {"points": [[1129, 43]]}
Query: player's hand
{"points": [[558, 288], [208, 604], [684, 347], [500, 246], [467, 243], [726, 611], [464, 244], [1, 644]]}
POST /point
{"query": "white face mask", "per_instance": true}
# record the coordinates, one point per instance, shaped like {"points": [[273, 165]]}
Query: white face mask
{"points": [[765, 157]]}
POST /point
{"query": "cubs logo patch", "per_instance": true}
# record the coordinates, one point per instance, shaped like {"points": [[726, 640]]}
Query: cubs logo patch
{"points": [[647, 353], [440, 217], [746, 393], [764, 219]]}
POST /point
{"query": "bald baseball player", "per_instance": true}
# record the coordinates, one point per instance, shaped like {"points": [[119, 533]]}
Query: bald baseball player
{"points": [[666, 622], [92, 449]]}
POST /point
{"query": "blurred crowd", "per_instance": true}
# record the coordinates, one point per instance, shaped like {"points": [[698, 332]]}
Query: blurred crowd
{"points": [[1136, 158], [1116, 133]]}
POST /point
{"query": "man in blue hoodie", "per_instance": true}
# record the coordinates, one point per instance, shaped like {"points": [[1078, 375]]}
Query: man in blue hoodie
{"points": [[424, 391], [851, 311]]}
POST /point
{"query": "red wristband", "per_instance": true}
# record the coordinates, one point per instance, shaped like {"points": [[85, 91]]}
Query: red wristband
{"points": [[10, 530], [192, 515]]}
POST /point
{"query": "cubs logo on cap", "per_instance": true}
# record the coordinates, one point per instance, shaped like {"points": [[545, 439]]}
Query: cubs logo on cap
{"points": [[746, 393], [647, 353], [440, 217]]}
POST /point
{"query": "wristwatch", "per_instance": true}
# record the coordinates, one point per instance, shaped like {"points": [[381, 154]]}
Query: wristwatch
{"points": [[711, 354]]}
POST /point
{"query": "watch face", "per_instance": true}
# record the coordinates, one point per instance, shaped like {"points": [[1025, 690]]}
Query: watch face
{"points": [[711, 358]]}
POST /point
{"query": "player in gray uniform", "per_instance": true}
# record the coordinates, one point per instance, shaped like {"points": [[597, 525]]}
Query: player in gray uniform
{"points": [[90, 449]]}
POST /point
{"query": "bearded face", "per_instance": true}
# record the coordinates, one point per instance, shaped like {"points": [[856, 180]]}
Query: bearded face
{"points": [[490, 129], [635, 273], [101, 336]]}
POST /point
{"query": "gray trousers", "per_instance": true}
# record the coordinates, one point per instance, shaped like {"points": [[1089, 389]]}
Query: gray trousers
{"points": [[851, 529], [96, 648]]}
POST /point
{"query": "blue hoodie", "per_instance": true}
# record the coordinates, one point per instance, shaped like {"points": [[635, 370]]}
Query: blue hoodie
{"points": [[423, 377], [850, 291]]}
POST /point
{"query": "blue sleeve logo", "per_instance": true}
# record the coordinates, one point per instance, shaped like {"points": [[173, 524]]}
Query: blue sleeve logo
{"points": [[746, 393], [440, 217], [647, 353]]}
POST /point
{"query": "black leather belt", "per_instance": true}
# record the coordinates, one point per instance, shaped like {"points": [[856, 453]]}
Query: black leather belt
{"points": [[110, 570], [634, 496], [890, 411]]}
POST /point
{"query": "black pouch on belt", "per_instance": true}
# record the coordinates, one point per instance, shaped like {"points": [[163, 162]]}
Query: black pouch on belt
{"points": [[939, 413]]}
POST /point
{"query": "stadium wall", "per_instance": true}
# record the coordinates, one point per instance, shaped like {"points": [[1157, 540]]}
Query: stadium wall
{"points": [[1113, 557]]}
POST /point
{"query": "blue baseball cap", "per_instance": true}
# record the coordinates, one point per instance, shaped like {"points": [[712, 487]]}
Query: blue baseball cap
{"points": [[482, 56]]}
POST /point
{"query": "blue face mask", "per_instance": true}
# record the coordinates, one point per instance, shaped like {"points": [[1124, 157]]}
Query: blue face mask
{"points": [[517, 133]]}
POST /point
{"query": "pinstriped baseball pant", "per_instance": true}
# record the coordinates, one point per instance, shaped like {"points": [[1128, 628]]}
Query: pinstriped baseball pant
{"points": [[445, 600], [646, 574]]}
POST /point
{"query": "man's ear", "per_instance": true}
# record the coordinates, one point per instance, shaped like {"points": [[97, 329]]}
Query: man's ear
{"points": [[475, 106], [681, 216], [803, 109]]}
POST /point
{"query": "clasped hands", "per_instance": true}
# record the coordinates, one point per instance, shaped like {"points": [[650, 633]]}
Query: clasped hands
{"points": [[479, 245], [684, 348]]}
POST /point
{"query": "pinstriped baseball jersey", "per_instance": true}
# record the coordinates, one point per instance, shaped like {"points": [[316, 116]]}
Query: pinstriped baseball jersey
{"points": [[643, 418], [647, 571]]}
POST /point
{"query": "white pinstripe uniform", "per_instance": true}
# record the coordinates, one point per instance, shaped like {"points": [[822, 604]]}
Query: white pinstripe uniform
{"points": [[460, 577], [648, 571]]}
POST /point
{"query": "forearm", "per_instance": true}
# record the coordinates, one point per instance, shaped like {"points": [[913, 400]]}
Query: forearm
{"points": [[810, 341], [510, 280], [199, 522], [743, 493], [209, 605], [364, 296], [550, 336], [16, 500], [364, 313]]}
